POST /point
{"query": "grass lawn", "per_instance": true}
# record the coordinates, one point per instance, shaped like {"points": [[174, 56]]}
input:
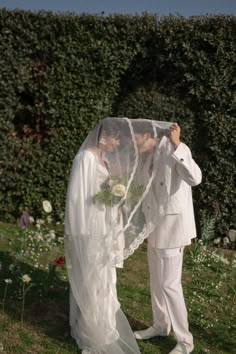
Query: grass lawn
{"points": [[209, 285]]}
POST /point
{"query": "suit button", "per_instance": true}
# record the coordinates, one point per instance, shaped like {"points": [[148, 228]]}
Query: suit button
{"points": [[181, 160], [161, 183]]}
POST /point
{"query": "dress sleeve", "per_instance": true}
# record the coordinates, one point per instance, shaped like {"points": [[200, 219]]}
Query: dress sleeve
{"points": [[80, 192], [186, 167]]}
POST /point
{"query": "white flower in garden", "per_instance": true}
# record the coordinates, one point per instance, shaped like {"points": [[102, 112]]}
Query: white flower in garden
{"points": [[217, 241], [224, 260], [39, 236], [47, 207], [49, 219], [232, 235], [118, 190], [8, 281], [11, 267], [226, 241], [52, 235], [31, 220], [39, 222], [26, 278], [38, 226]]}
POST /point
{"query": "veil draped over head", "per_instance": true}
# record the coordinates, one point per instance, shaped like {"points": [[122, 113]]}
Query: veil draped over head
{"points": [[110, 210]]}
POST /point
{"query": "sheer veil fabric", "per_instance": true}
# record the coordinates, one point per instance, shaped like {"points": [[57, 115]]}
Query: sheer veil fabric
{"points": [[110, 185]]}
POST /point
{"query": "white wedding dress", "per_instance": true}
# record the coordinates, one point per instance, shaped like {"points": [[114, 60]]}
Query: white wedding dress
{"points": [[98, 238], [97, 323]]}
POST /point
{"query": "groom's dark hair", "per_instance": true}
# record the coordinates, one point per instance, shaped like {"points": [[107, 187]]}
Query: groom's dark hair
{"points": [[142, 127]]}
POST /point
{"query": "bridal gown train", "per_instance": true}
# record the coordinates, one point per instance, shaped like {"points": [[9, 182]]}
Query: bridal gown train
{"points": [[97, 323]]}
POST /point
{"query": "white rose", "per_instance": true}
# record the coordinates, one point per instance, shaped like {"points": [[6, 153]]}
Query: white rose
{"points": [[118, 190], [40, 222], [26, 278], [8, 281], [47, 207]]}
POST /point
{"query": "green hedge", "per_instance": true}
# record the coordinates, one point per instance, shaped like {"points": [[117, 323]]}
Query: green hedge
{"points": [[187, 73], [59, 74]]}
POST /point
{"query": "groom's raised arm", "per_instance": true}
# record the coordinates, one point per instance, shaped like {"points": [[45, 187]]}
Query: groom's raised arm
{"points": [[186, 167]]}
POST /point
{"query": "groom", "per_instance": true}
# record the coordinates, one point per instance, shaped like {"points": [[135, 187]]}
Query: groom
{"points": [[170, 207]]}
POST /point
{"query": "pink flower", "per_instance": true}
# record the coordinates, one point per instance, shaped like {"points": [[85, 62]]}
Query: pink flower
{"points": [[24, 219]]}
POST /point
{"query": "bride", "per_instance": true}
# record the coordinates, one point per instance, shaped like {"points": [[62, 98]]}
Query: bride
{"points": [[102, 228]]}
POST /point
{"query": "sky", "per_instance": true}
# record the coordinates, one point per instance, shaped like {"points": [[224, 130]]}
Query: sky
{"points": [[160, 7]]}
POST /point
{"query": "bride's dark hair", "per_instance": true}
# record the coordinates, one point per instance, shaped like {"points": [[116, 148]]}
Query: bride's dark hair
{"points": [[110, 126]]}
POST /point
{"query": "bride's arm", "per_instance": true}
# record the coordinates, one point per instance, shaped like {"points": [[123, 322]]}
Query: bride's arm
{"points": [[80, 192]]}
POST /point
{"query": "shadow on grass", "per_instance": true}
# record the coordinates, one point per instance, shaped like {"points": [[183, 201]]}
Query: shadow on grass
{"points": [[47, 313], [222, 341], [160, 344], [47, 309], [46, 303]]}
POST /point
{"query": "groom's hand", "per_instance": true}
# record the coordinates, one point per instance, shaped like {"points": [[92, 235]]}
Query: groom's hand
{"points": [[174, 134]]}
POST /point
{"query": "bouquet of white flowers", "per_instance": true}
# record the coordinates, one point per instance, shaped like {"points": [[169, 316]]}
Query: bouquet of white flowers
{"points": [[114, 189]]}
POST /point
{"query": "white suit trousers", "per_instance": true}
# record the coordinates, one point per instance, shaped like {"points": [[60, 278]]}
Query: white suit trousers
{"points": [[168, 305]]}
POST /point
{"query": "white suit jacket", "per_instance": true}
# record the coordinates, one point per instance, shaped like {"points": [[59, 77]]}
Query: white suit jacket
{"points": [[169, 203]]}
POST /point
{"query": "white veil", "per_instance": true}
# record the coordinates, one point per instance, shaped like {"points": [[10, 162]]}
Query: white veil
{"points": [[109, 187]]}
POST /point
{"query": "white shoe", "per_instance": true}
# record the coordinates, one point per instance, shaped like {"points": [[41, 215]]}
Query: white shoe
{"points": [[148, 333], [182, 349]]}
